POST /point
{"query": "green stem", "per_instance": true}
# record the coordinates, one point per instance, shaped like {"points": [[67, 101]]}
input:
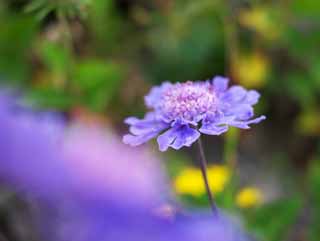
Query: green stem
{"points": [[203, 165]]}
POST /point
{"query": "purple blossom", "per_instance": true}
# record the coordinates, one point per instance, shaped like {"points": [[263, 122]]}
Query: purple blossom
{"points": [[102, 167], [90, 186], [181, 112]]}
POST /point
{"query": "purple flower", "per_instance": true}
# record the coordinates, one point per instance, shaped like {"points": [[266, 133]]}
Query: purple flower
{"points": [[180, 112], [89, 186], [29, 142], [43, 156], [102, 167]]}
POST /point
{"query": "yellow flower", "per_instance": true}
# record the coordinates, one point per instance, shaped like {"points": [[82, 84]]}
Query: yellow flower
{"points": [[190, 180], [249, 197], [251, 70], [308, 122], [218, 176], [260, 20]]}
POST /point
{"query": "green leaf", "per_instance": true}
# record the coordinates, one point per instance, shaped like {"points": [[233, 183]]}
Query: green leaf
{"points": [[105, 24], [192, 42], [35, 5], [96, 81], [314, 185], [55, 56], [16, 36], [272, 221], [306, 8], [301, 87], [50, 98]]}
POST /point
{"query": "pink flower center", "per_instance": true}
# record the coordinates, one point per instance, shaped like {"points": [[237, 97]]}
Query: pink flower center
{"points": [[188, 100]]}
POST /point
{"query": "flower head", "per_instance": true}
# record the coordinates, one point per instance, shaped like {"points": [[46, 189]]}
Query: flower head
{"points": [[180, 112]]}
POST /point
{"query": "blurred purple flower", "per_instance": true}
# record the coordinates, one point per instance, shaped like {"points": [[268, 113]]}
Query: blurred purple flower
{"points": [[102, 167], [28, 148], [90, 186], [180, 112]]}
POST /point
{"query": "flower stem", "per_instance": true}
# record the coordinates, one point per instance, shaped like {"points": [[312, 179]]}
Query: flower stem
{"points": [[203, 165]]}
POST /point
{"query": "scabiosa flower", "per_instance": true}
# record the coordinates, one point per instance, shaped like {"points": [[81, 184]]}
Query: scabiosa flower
{"points": [[181, 112]]}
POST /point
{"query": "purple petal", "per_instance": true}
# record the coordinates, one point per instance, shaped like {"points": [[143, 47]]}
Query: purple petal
{"points": [[252, 97], [142, 130], [213, 129], [29, 147], [138, 140], [242, 112], [145, 127], [220, 83], [186, 137], [166, 139], [257, 120], [177, 137], [131, 120], [245, 124], [238, 94], [234, 94], [152, 99], [215, 124]]}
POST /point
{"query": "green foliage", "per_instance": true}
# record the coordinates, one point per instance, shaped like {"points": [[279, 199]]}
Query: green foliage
{"points": [[106, 26], [97, 82], [272, 221], [56, 57], [71, 8], [90, 82], [314, 184], [188, 38], [306, 8], [16, 36], [50, 97]]}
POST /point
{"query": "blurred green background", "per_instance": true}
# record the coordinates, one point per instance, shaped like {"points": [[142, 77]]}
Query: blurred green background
{"points": [[94, 60]]}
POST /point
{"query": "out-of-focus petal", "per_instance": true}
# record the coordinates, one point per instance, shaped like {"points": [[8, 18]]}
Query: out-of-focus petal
{"points": [[103, 167], [29, 147], [241, 112], [96, 187], [234, 94], [252, 97], [220, 84], [204, 227]]}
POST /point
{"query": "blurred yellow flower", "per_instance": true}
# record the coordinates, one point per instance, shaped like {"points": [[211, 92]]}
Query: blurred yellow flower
{"points": [[249, 197], [308, 122], [190, 180], [251, 70], [260, 20], [218, 176]]}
